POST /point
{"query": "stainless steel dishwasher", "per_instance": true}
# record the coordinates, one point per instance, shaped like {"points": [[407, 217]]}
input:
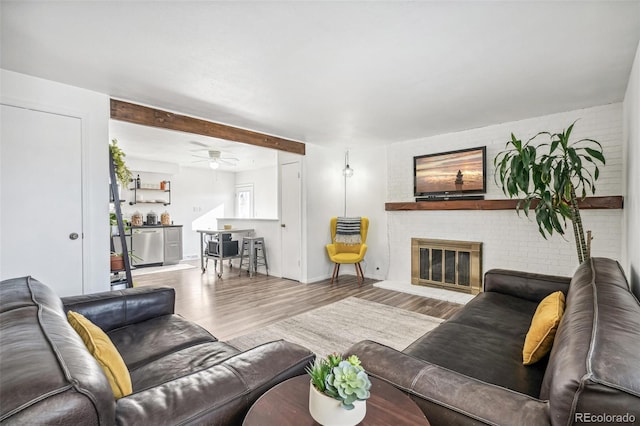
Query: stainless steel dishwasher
{"points": [[147, 245]]}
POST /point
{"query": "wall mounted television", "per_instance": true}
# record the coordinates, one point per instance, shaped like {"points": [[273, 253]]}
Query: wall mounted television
{"points": [[450, 173]]}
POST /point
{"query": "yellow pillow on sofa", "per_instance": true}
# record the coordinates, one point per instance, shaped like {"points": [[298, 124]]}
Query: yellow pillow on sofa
{"points": [[543, 328], [103, 350]]}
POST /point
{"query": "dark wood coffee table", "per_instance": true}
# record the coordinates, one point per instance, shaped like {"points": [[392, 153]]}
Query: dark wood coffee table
{"points": [[288, 404]]}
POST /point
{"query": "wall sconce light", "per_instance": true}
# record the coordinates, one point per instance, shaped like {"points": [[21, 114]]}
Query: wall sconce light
{"points": [[347, 171]]}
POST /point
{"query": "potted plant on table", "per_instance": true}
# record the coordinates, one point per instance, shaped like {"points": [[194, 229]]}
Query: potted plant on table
{"points": [[117, 262], [338, 390], [552, 180]]}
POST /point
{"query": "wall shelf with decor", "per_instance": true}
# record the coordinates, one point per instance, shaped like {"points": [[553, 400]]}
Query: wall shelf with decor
{"points": [[607, 202], [143, 193]]}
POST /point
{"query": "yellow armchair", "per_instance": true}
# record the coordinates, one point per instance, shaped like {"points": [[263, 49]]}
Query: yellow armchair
{"points": [[348, 253]]}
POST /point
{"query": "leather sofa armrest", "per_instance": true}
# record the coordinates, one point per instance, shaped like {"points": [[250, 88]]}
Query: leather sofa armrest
{"points": [[114, 309], [219, 395], [525, 285], [448, 397]]}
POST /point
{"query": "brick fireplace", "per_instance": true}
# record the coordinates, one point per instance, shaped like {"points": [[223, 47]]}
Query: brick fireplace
{"points": [[454, 265]]}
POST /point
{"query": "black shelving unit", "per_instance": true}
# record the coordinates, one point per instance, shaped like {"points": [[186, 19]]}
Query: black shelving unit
{"points": [[115, 197], [166, 191]]}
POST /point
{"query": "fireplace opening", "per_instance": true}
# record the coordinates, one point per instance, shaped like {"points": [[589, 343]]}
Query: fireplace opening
{"points": [[448, 264]]}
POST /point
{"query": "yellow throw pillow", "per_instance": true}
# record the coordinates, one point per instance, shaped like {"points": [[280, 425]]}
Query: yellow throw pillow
{"points": [[103, 350], [543, 328]]}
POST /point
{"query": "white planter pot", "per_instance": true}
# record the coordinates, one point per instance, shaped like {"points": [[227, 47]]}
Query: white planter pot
{"points": [[330, 412]]}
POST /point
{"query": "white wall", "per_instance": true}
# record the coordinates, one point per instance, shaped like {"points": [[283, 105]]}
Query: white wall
{"points": [[366, 197], [265, 190], [323, 198], [509, 241], [197, 195], [631, 248], [93, 108]]}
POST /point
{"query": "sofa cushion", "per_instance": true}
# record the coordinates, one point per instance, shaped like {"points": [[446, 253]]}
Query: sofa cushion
{"points": [[180, 363], [484, 340], [116, 309], [219, 395], [149, 340], [543, 328], [102, 349]]}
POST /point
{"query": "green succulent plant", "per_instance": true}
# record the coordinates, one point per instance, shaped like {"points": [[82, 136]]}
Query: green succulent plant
{"points": [[348, 383], [344, 380]]}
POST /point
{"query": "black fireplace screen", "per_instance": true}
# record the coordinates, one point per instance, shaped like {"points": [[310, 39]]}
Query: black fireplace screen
{"points": [[448, 266]]}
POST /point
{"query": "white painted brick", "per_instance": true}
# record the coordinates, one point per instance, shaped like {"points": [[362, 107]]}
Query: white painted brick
{"points": [[509, 241]]}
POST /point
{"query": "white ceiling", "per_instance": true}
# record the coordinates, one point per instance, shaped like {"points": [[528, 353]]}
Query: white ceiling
{"points": [[339, 73]]}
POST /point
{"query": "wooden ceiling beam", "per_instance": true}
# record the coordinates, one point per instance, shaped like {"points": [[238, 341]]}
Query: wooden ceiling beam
{"points": [[146, 116], [605, 202]]}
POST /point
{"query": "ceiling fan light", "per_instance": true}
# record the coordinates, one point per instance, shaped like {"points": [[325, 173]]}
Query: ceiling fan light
{"points": [[214, 164]]}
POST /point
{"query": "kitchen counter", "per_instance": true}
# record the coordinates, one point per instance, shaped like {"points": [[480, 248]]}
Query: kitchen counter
{"points": [[156, 244]]}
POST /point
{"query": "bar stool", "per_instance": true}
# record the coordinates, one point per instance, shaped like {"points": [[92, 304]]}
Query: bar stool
{"points": [[254, 250]]}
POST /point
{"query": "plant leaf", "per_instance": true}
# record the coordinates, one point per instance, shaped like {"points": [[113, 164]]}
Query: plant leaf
{"points": [[595, 154], [568, 132], [575, 160], [516, 143]]}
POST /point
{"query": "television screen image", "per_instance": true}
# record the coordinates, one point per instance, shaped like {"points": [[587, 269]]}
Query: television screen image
{"points": [[451, 172]]}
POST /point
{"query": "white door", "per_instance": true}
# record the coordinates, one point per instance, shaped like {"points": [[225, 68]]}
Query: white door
{"points": [[290, 220], [41, 198]]}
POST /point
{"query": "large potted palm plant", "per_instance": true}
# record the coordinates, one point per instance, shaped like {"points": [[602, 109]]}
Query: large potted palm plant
{"points": [[550, 176]]}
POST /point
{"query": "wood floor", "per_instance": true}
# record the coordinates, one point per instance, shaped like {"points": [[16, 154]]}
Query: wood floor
{"points": [[233, 305]]}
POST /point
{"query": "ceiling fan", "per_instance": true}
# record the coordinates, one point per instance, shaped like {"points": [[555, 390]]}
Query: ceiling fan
{"points": [[215, 158]]}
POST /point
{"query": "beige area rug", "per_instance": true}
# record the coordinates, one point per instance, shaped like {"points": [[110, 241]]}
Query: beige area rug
{"points": [[335, 327], [158, 269], [430, 292]]}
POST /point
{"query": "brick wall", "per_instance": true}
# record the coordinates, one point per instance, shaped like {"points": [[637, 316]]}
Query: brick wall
{"points": [[509, 241]]}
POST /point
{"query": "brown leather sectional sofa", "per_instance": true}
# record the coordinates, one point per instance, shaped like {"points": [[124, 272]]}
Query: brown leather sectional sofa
{"points": [[181, 374], [468, 371]]}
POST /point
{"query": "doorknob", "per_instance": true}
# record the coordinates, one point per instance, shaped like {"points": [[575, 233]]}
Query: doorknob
{"points": [[73, 236], [283, 225]]}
